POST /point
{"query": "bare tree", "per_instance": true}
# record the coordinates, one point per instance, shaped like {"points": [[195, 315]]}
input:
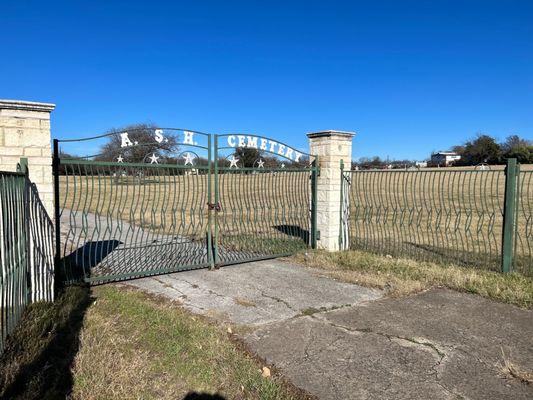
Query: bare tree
{"points": [[144, 143]]}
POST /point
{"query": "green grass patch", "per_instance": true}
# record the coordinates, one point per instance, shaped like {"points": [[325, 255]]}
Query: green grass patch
{"points": [[117, 343], [36, 363], [404, 276]]}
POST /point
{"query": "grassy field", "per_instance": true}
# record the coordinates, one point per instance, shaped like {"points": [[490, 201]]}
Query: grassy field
{"points": [[265, 204], [447, 215], [116, 343], [523, 167], [401, 276]]}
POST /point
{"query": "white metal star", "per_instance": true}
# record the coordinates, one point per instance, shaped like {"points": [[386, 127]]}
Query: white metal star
{"points": [[153, 159], [282, 165], [119, 158], [188, 158], [233, 162], [261, 164]]}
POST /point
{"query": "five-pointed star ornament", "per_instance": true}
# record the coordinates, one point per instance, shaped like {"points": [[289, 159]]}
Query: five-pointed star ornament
{"points": [[153, 159], [120, 159], [282, 165], [233, 162], [188, 158], [261, 164]]}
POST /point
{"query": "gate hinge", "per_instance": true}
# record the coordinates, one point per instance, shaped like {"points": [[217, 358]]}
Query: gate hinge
{"points": [[214, 206]]}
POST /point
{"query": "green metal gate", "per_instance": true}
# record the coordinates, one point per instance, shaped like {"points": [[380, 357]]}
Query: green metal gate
{"points": [[151, 200]]}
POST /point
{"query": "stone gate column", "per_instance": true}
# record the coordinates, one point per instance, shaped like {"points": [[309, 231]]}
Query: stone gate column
{"points": [[331, 147], [25, 132]]}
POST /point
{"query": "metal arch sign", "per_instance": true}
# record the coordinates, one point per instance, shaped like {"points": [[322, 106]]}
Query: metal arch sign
{"points": [[265, 144], [233, 141], [159, 137]]}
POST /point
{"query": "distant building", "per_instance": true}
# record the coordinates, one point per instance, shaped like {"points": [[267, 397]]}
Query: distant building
{"points": [[444, 158], [421, 164]]}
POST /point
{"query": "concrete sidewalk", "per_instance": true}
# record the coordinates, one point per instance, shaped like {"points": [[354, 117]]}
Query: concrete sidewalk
{"points": [[256, 293], [342, 341]]}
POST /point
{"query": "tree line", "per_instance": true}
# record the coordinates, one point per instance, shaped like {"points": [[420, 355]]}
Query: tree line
{"points": [[479, 150], [486, 149]]}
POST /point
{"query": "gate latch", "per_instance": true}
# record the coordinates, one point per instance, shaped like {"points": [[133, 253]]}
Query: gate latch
{"points": [[214, 206]]}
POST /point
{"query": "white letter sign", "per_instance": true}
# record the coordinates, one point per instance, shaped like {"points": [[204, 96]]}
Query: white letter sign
{"points": [[187, 138], [125, 140], [158, 135], [252, 142]]}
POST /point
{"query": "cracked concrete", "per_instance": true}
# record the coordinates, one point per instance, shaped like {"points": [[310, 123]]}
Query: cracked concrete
{"points": [[342, 341], [439, 344], [256, 293]]}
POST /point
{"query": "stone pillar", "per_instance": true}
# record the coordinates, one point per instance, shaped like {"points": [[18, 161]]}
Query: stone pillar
{"points": [[331, 147], [25, 132]]}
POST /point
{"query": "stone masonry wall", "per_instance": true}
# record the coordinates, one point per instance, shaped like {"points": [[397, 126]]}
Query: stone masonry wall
{"points": [[25, 132]]}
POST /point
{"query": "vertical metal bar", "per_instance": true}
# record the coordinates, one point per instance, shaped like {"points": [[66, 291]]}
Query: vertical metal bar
{"points": [[26, 218], [55, 172], [341, 244], [314, 193], [516, 233], [509, 215], [210, 257], [217, 200]]}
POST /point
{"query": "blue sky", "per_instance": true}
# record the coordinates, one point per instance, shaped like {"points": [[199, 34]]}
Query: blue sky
{"points": [[408, 76]]}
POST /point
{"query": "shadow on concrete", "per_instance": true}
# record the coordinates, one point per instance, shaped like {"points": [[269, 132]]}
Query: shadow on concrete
{"points": [[77, 265], [294, 231]]}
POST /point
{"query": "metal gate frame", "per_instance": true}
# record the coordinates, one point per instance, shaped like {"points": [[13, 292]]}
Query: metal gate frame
{"points": [[310, 167], [213, 254]]}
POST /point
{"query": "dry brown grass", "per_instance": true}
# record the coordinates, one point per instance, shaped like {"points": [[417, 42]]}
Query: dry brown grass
{"points": [[164, 204], [523, 167], [400, 277], [137, 346], [509, 368], [123, 344]]}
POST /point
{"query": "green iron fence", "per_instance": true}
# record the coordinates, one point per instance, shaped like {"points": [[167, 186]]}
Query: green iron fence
{"points": [[477, 218], [523, 246], [137, 208], [25, 249], [13, 251]]}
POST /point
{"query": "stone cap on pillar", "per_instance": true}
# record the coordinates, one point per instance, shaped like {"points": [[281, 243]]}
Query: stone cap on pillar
{"points": [[331, 133], [26, 105]]}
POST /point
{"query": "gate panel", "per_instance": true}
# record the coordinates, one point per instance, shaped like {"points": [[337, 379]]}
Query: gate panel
{"points": [[264, 199], [121, 220]]}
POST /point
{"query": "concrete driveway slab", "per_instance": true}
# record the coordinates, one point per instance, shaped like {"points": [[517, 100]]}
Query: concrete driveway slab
{"points": [[440, 345], [343, 341], [256, 293]]}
